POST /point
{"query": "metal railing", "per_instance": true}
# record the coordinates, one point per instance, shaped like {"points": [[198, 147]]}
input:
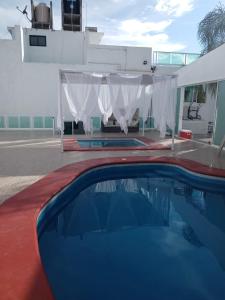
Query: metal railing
{"points": [[174, 58]]}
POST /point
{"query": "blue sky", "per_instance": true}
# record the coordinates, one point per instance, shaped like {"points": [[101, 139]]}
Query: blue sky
{"points": [[166, 25]]}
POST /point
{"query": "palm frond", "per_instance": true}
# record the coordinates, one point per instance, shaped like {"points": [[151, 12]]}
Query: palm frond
{"points": [[211, 30]]}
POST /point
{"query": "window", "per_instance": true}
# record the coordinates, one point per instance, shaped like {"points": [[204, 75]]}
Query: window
{"points": [[38, 122], [195, 93], [38, 40]]}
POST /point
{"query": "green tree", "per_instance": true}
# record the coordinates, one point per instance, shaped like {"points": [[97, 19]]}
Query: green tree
{"points": [[211, 30]]}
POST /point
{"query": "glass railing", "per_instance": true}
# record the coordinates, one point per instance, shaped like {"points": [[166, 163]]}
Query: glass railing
{"points": [[174, 58]]}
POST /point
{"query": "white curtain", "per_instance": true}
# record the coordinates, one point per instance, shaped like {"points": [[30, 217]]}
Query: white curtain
{"points": [[164, 103], [105, 102], [89, 95], [81, 92], [171, 107], [145, 98], [124, 90]]}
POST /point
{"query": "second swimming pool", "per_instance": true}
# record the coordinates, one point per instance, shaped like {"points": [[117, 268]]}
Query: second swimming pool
{"points": [[104, 143]]}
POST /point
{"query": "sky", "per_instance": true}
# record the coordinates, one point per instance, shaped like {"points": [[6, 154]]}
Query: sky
{"points": [[164, 25]]}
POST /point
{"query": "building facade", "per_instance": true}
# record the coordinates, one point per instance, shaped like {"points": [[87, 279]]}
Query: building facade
{"points": [[30, 64]]}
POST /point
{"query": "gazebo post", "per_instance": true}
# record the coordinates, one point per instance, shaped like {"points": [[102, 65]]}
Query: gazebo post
{"points": [[143, 126], [53, 126], [92, 131], [173, 139], [61, 112]]}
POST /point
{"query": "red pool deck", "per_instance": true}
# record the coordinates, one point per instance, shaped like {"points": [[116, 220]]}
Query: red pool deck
{"points": [[71, 144], [22, 276]]}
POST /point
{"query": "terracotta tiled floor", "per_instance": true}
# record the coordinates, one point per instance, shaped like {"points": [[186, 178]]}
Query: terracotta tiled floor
{"points": [[26, 157], [24, 160]]}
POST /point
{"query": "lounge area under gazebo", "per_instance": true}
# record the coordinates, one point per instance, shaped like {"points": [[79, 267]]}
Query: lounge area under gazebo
{"points": [[84, 96]]}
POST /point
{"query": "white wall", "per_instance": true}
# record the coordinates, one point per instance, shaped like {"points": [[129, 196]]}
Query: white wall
{"points": [[166, 69], [124, 58], [208, 68], [94, 38], [62, 47], [30, 88], [78, 48], [106, 55], [136, 57]]}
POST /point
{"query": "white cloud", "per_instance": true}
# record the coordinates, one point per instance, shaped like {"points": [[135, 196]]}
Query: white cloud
{"points": [[133, 23], [174, 7], [156, 41], [136, 33], [138, 27], [127, 22]]}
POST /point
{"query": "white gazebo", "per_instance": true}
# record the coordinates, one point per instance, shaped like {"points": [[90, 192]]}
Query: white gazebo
{"points": [[121, 94]]}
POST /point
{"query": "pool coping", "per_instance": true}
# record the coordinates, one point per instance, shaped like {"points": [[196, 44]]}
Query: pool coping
{"points": [[22, 275], [71, 144]]}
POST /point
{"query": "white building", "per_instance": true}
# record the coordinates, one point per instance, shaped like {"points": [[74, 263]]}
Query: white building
{"points": [[29, 74], [30, 64], [207, 71]]}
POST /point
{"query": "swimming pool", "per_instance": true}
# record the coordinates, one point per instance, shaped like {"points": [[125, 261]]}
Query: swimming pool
{"points": [[143, 231], [105, 143]]}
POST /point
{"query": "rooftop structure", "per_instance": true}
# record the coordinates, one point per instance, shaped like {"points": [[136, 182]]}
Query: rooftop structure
{"points": [[71, 15], [41, 16]]}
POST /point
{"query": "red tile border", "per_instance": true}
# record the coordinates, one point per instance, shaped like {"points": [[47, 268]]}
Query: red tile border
{"points": [[71, 144], [22, 276]]}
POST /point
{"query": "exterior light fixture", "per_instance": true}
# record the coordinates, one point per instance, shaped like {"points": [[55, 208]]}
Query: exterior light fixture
{"points": [[153, 68]]}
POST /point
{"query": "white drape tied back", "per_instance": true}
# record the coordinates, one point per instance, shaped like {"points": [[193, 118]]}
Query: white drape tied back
{"points": [[124, 90], [81, 90], [164, 103]]}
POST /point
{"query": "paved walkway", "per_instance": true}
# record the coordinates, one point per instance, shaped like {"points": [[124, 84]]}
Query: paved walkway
{"points": [[25, 157]]}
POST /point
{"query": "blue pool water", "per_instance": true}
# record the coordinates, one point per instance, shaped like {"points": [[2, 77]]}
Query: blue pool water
{"points": [[136, 232], [99, 143]]}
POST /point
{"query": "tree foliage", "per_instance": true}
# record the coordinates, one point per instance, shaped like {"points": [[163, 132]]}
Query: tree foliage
{"points": [[211, 30]]}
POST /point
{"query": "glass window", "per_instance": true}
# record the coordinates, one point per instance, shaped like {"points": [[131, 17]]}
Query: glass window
{"points": [[200, 94], [163, 58], [96, 122], [188, 94], [178, 58], [48, 122], [13, 122], [2, 122], [191, 58], [195, 93], [38, 40], [38, 122], [24, 122]]}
